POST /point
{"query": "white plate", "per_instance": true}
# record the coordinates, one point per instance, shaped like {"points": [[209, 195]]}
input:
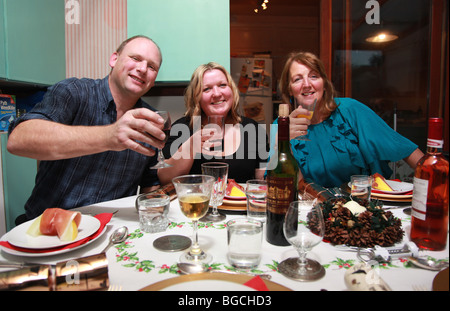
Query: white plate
{"points": [[49, 253], [399, 187], [235, 198], [208, 285], [211, 282], [18, 236]]}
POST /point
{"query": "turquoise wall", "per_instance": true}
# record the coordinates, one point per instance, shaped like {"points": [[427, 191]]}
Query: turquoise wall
{"points": [[189, 33]]}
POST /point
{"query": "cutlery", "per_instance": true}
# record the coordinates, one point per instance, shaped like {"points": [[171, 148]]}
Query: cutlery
{"points": [[118, 236], [190, 268], [428, 264]]}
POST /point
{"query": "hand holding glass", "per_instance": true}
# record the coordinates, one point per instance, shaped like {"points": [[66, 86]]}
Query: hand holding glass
{"points": [[304, 228], [310, 107], [216, 127], [194, 193], [166, 129]]}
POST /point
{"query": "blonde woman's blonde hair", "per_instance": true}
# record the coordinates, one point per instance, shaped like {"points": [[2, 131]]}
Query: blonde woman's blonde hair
{"points": [[193, 93]]}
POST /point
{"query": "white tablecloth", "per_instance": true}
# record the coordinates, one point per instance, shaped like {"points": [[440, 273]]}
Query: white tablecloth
{"points": [[136, 264]]}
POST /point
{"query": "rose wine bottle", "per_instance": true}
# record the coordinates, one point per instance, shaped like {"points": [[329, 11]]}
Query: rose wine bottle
{"points": [[429, 222], [282, 180]]}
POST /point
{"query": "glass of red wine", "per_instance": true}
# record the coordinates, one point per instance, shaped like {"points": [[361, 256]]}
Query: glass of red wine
{"points": [[166, 129]]}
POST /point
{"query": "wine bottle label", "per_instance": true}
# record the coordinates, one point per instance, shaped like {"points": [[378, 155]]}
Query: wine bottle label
{"points": [[280, 193], [435, 143], [419, 200]]}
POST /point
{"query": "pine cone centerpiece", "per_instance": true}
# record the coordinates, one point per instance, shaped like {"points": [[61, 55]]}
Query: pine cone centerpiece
{"points": [[365, 225]]}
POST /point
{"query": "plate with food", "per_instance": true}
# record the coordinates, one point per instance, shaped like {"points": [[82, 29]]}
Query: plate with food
{"points": [[235, 191], [54, 228], [390, 187]]}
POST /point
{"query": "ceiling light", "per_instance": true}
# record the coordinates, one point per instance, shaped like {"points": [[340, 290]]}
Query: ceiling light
{"points": [[382, 37], [262, 4]]}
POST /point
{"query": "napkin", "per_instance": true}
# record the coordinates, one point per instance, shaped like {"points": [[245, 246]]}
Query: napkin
{"points": [[104, 219], [257, 283]]}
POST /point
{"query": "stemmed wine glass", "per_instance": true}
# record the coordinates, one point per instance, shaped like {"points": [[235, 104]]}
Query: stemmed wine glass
{"points": [[194, 193], [166, 129], [310, 108], [219, 171], [304, 228]]}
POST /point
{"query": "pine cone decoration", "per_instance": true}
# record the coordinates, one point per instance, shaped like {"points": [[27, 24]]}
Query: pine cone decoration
{"points": [[372, 227]]}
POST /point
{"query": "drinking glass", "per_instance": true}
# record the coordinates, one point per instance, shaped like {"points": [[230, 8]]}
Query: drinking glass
{"points": [[166, 129], [361, 186], [216, 126], [310, 108], [304, 228], [256, 193], [153, 209], [194, 193], [244, 236], [219, 171]]}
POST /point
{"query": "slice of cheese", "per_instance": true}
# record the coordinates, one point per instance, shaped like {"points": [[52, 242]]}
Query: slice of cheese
{"points": [[379, 183], [236, 192]]}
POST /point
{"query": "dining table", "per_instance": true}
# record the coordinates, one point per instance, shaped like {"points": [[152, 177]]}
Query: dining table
{"points": [[136, 264]]}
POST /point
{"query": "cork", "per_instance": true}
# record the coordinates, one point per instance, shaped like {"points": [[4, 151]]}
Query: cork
{"points": [[283, 110]]}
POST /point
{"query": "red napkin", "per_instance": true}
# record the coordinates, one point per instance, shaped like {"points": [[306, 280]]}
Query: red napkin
{"points": [[104, 219], [257, 283]]}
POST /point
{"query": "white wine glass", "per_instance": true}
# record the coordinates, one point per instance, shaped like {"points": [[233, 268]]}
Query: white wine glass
{"points": [[219, 171], [310, 107], [304, 228], [194, 193], [166, 129]]}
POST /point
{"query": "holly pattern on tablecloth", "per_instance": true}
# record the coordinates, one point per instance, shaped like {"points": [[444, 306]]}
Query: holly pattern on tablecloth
{"points": [[131, 259]]}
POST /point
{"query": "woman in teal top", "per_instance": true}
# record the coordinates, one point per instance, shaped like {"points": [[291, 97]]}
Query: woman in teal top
{"points": [[345, 136]]}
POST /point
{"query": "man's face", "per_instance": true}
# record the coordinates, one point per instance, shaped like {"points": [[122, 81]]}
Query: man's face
{"points": [[136, 67]]}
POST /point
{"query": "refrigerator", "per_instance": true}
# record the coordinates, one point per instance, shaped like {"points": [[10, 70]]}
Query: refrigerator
{"points": [[253, 77]]}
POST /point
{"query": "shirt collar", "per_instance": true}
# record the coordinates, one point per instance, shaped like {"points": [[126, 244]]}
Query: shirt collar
{"points": [[109, 98]]}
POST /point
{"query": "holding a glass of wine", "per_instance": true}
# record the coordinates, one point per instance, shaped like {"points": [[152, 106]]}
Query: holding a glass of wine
{"points": [[216, 128], [310, 106], [194, 193], [166, 129]]}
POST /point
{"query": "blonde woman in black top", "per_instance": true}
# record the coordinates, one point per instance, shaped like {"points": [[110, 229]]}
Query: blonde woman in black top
{"points": [[212, 91]]}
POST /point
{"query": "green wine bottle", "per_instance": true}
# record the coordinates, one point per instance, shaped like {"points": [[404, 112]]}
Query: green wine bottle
{"points": [[282, 182]]}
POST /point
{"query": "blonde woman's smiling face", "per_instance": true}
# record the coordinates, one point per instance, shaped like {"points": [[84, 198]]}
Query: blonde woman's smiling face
{"points": [[217, 96]]}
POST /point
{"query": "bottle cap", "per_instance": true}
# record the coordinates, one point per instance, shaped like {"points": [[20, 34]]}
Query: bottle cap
{"points": [[283, 110], [435, 128]]}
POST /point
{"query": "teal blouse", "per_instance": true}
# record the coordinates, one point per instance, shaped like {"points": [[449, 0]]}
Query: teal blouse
{"points": [[354, 140]]}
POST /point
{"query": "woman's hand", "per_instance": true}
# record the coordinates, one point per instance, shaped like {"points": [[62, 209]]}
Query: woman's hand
{"points": [[203, 141], [298, 125]]}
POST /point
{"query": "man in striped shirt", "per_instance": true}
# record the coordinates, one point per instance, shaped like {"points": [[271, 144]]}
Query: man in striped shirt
{"points": [[95, 139]]}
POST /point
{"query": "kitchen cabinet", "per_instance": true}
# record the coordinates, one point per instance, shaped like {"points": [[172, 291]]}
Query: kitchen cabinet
{"points": [[18, 182], [32, 40]]}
